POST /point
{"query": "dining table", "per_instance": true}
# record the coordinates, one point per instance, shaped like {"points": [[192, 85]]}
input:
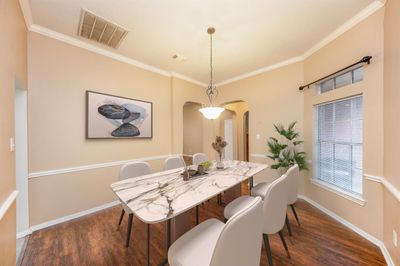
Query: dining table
{"points": [[166, 197]]}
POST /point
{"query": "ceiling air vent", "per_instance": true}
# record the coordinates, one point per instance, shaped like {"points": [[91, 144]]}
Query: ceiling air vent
{"points": [[98, 29]]}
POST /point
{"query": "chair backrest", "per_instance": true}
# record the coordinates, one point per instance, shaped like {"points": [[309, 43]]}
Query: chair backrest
{"points": [[275, 206], [198, 158], [293, 176], [240, 240], [173, 162], [134, 169]]}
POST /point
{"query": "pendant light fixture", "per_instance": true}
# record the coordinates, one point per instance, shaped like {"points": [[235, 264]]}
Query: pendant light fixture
{"points": [[211, 112]]}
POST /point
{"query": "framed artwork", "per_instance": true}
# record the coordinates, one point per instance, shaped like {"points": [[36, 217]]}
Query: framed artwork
{"points": [[114, 117]]}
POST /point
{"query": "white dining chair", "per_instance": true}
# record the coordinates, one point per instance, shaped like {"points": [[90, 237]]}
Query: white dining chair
{"points": [[130, 170], [274, 211], [174, 162], [198, 158], [236, 243], [293, 176]]}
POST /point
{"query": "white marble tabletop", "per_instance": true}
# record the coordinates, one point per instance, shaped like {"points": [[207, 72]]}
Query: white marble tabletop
{"points": [[160, 196]]}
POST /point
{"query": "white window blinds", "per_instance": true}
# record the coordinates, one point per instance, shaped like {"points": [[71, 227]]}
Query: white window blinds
{"points": [[338, 146]]}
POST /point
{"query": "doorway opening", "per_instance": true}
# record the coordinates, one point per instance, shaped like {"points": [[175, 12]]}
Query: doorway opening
{"points": [[238, 113], [21, 164]]}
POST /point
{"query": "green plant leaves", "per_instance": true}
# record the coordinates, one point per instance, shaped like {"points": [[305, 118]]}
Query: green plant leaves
{"points": [[286, 155]]}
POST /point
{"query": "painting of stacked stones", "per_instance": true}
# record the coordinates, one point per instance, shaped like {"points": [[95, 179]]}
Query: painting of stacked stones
{"points": [[111, 116]]}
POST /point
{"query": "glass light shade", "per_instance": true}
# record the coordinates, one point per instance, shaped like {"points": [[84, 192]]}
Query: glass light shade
{"points": [[211, 112]]}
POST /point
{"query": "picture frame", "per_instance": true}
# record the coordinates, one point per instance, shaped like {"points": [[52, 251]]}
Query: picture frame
{"points": [[115, 117]]}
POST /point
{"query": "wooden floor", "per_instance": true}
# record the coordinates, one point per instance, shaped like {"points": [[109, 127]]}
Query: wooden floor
{"points": [[95, 240]]}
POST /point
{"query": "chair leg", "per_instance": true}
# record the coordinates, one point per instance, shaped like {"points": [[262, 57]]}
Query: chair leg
{"points": [[284, 243], [288, 225], [121, 217], [295, 214], [148, 245], [268, 249], [219, 199], [251, 184], [197, 215], [128, 236]]}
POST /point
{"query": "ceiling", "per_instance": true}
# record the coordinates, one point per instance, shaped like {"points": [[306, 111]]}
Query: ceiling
{"points": [[250, 34]]}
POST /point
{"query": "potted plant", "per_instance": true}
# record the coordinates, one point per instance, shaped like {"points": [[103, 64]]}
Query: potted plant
{"points": [[286, 153], [219, 146]]}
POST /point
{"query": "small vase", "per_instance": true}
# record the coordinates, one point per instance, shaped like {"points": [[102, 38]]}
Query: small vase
{"points": [[220, 163]]}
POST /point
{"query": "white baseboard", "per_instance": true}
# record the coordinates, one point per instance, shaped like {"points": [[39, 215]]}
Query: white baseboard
{"points": [[73, 216], [354, 228], [24, 233]]}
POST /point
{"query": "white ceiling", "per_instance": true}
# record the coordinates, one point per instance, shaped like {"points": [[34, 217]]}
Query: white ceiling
{"points": [[250, 34]]}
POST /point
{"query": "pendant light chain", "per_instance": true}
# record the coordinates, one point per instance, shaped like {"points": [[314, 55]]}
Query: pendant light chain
{"points": [[211, 112], [211, 90]]}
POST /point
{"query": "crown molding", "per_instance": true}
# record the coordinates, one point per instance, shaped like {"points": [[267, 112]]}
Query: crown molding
{"points": [[87, 46], [188, 79], [26, 12], [262, 70], [363, 14], [98, 50]]}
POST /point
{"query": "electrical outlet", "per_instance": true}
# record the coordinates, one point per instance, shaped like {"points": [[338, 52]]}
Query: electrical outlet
{"points": [[394, 238], [258, 136], [12, 144]]}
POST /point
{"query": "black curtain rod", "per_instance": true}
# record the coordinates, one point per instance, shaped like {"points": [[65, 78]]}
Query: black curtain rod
{"points": [[365, 59]]}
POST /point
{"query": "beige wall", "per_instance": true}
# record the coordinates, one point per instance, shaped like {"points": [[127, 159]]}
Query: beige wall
{"points": [[391, 208], [12, 67], [192, 129], [59, 76], [272, 97], [364, 39], [220, 129], [182, 92], [240, 108]]}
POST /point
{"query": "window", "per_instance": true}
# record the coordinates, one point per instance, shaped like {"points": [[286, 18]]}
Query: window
{"points": [[341, 80], [338, 146]]}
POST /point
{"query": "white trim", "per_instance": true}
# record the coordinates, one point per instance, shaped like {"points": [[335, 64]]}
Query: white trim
{"points": [[258, 155], [26, 12], [187, 155], [7, 203], [94, 166], [98, 50], [84, 45], [354, 198], [24, 233], [373, 178], [352, 227], [188, 79], [74, 216], [389, 186], [262, 70], [363, 14]]}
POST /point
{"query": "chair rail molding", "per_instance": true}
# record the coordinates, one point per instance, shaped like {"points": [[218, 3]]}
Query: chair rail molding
{"points": [[352, 227], [389, 186], [94, 166], [258, 155], [7, 203]]}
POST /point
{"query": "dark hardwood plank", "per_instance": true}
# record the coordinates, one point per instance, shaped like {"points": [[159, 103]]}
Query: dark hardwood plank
{"points": [[95, 240]]}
